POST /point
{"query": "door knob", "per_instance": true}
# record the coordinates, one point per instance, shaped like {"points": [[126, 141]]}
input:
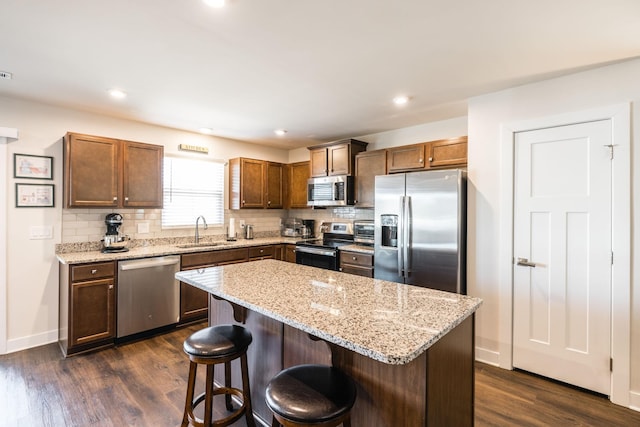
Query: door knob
{"points": [[525, 262]]}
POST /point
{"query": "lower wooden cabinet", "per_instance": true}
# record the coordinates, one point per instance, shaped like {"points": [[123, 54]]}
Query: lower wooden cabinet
{"points": [[289, 254], [87, 316], [357, 263], [194, 302]]}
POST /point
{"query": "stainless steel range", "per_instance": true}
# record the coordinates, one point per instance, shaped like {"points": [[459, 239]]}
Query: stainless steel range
{"points": [[323, 253]]}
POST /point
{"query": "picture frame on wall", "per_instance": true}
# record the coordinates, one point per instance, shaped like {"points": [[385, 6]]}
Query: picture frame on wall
{"points": [[35, 196], [32, 167]]}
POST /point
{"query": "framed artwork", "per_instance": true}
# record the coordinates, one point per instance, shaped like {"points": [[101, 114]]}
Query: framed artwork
{"points": [[32, 167], [34, 195]]}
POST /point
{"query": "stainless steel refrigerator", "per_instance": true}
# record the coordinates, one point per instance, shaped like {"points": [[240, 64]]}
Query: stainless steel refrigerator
{"points": [[420, 229]]}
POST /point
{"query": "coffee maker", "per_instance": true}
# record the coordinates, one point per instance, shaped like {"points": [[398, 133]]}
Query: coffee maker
{"points": [[308, 228], [113, 241]]}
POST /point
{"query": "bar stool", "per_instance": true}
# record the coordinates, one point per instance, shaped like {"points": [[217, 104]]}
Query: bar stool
{"points": [[311, 395], [211, 346]]}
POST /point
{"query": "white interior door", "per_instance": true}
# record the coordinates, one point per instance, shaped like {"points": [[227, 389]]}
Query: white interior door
{"points": [[563, 255]]}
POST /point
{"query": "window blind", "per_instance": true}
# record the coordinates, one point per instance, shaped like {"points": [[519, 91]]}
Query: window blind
{"points": [[192, 187]]}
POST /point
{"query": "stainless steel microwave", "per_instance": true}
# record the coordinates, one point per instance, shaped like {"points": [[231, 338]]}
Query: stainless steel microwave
{"points": [[330, 191]]}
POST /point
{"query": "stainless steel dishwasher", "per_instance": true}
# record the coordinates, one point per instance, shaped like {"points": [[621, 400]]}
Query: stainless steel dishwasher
{"points": [[148, 294]]}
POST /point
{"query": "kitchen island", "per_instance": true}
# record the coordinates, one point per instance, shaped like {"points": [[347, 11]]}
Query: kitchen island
{"points": [[409, 349]]}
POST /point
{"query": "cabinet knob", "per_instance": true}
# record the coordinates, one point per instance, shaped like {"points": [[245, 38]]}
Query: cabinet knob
{"points": [[115, 198], [94, 271], [261, 250], [269, 202], [126, 199], [110, 286], [421, 160], [431, 159], [243, 202], [340, 269], [355, 258]]}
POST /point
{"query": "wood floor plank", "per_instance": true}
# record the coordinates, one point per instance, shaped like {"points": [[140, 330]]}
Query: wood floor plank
{"points": [[143, 384]]}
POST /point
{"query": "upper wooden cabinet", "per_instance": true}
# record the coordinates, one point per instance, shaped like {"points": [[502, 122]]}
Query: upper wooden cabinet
{"points": [[274, 185], [428, 155], [369, 164], [336, 158], [255, 184], [104, 172], [297, 176]]}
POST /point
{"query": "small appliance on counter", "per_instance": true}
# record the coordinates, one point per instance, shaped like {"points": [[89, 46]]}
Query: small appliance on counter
{"points": [[291, 227], [308, 228], [113, 241], [364, 231], [248, 231]]}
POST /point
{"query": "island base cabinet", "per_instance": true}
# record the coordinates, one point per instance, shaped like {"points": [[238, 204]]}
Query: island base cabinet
{"points": [[435, 389]]}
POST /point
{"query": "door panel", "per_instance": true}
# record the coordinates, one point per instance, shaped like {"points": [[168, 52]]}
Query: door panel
{"points": [[562, 224]]}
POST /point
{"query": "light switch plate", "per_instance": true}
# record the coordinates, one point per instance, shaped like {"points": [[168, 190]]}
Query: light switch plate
{"points": [[143, 227], [41, 232]]}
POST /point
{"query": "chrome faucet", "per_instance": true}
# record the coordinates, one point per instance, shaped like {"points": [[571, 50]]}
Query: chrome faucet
{"points": [[205, 227]]}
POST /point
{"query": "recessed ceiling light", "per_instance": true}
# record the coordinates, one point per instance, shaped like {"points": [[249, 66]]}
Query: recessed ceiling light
{"points": [[117, 93], [400, 99], [215, 3], [207, 131], [280, 132]]}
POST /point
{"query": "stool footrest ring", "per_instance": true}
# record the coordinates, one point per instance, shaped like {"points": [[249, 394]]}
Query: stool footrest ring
{"points": [[224, 421]]}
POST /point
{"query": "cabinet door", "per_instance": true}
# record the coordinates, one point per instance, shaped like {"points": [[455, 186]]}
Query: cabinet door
{"points": [[290, 253], [297, 194], [142, 175], [274, 185], [252, 175], [368, 165], [318, 159], [339, 160], [91, 177], [406, 157], [194, 303], [448, 152], [92, 311]]}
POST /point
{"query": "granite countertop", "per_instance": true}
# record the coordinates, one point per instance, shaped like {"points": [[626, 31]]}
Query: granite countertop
{"points": [[166, 249], [389, 322], [358, 248]]}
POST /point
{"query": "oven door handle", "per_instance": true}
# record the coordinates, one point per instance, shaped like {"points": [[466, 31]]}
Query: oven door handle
{"points": [[316, 251]]}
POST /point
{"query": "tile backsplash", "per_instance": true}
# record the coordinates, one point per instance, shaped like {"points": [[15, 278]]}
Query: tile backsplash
{"points": [[87, 225]]}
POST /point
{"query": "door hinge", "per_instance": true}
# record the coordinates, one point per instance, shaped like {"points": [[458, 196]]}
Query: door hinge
{"points": [[611, 364]]}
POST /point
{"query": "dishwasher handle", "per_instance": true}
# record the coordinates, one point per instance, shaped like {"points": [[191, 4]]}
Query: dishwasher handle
{"points": [[147, 263]]}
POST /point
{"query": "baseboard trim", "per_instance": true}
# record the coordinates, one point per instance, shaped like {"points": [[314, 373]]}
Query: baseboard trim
{"points": [[634, 400], [489, 357], [24, 343]]}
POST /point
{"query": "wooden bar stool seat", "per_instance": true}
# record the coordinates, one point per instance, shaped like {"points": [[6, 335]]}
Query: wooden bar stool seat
{"points": [[211, 346], [311, 395]]}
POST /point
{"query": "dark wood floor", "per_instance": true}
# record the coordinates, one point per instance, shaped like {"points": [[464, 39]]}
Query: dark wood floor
{"points": [[143, 384]]}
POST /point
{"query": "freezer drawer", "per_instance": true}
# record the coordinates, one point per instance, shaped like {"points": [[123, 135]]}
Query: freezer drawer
{"points": [[148, 294]]}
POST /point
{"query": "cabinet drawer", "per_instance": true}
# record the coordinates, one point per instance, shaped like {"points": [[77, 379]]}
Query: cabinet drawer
{"points": [[93, 271], [261, 251], [214, 257], [358, 271], [356, 258]]}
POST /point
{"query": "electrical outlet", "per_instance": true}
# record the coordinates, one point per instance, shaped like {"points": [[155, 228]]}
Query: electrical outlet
{"points": [[41, 232], [241, 223]]}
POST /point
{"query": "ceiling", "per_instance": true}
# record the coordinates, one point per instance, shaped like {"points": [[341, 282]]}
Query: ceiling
{"points": [[323, 70]]}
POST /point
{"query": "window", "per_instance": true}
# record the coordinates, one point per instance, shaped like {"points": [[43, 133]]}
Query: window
{"points": [[192, 187]]}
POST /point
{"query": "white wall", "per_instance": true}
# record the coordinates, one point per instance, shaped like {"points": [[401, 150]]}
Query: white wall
{"points": [[32, 269], [601, 87]]}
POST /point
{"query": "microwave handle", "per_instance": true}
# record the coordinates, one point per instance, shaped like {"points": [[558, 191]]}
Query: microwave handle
{"points": [[334, 191]]}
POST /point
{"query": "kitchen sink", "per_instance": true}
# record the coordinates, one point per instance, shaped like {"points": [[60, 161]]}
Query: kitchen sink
{"points": [[201, 245]]}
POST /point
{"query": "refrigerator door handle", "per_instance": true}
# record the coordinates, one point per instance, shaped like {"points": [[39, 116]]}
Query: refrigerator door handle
{"points": [[400, 237], [406, 239]]}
